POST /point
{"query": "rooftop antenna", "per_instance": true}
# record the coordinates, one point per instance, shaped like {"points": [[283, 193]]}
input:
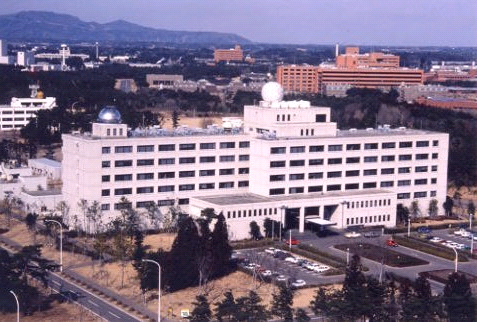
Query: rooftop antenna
{"points": [[97, 51], [337, 50]]}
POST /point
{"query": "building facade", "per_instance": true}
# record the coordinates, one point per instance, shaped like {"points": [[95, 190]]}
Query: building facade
{"points": [[288, 162], [227, 55], [353, 59]]}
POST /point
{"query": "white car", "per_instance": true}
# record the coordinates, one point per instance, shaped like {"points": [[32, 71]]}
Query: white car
{"points": [[465, 233], [298, 283], [321, 268], [267, 273], [281, 278], [270, 250], [459, 232], [436, 239], [291, 259], [310, 266], [352, 234], [460, 246]]}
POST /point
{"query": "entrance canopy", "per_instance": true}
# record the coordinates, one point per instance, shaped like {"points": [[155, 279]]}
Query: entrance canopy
{"points": [[319, 221]]}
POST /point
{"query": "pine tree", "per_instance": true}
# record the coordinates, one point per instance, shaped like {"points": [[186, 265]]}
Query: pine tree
{"points": [[301, 316], [227, 309], [254, 230], [251, 309], [221, 248], [175, 119], [319, 305], [419, 304], [354, 290], [282, 304], [201, 311], [375, 296], [458, 300], [205, 257]]}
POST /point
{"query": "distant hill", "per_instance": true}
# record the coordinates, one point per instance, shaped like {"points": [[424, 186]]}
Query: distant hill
{"points": [[49, 26]]}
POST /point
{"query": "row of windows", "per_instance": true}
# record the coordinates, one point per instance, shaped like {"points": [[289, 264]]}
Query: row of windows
{"points": [[350, 160], [172, 174], [368, 203], [170, 188], [144, 204], [416, 195], [367, 219], [172, 147], [352, 147], [250, 213]]}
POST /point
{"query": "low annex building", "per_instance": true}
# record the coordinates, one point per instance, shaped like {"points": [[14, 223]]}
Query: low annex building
{"points": [[288, 162]]}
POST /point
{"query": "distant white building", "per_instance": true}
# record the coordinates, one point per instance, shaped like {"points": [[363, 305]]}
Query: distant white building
{"points": [[4, 58], [22, 110], [25, 58], [288, 162]]}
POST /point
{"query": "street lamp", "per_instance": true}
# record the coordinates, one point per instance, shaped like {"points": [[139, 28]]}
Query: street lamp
{"points": [[283, 209], [471, 235], [408, 226], [273, 230], [158, 288], [456, 258], [18, 306], [347, 256], [343, 203], [289, 241], [61, 241]]}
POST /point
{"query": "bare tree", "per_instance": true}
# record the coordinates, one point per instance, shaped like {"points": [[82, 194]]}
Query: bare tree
{"points": [[64, 210], [83, 204], [154, 214]]}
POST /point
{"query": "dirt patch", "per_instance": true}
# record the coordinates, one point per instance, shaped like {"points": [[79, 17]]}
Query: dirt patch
{"points": [[156, 241]]}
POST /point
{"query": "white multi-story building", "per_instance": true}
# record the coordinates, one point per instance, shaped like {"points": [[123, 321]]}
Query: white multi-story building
{"points": [[22, 110], [25, 58], [289, 163]]}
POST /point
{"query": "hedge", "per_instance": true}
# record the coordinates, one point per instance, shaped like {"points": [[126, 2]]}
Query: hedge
{"points": [[436, 250]]}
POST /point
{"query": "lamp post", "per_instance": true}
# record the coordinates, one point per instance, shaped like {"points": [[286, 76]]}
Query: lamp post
{"points": [[456, 259], [61, 241], [18, 306], [273, 230], [347, 256], [289, 241], [158, 288], [343, 203], [408, 227], [471, 234], [283, 209]]}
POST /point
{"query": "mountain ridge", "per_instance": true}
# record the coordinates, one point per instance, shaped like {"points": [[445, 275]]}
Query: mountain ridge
{"points": [[51, 26]]}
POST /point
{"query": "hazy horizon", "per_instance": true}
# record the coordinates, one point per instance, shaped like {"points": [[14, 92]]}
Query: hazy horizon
{"points": [[372, 22]]}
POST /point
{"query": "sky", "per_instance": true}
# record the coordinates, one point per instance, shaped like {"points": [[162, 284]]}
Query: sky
{"points": [[358, 22]]}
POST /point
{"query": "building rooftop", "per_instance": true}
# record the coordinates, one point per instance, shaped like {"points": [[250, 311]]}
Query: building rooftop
{"points": [[47, 162]]}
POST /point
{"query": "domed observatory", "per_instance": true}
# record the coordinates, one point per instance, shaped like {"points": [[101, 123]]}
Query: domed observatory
{"points": [[109, 124]]}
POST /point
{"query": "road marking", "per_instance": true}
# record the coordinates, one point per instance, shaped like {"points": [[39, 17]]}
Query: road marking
{"points": [[95, 304], [117, 317], [57, 283]]}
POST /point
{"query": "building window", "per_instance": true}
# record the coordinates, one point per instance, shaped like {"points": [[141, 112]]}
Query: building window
{"points": [[207, 159], [435, 156], [320, 118], [277, 164], [226, 185], [370, 159], [405, 144], [244, 157], [123, 149], [226, 172], [207, 173], [186, 160], [105, 192], [420, 194], [294, 190], [386, 184], [227, 158], [106, 150], [122, 163], [278, 150], [122, 191], [145, 176], [167, 161], [277, 177], [315, 162], [335, 147], [166, 175], [297, 163], [406, 195], [315, 188], [166, 202], [167, 188], [351, 186], [334, 174], [123, 177], [352, 160], [186, 174], [352, 173], [433, 193], [405, 157], [388, 145], [370, 146], [297, 149], [277, 191], [296, 176], [105, 164], [144, 162], [420, 181], [422, 156], [244, 144], [183, 201], [433, 180], [421, 144], [167, 147], [243, 183], [145, 148], [205, 186], [369, 185], [145, 190], [105, 206], [370, 172], [333, 187], [317, 148], [186, 146], [387, 171], [421, 169], [207, 146], [435, 143], [404, 170], [402, 183], [353, 147], [434, 168], [144, 204], [335, 161], [243, 170], [186, 187], [315, 175], [227, 145], [387, 158]]}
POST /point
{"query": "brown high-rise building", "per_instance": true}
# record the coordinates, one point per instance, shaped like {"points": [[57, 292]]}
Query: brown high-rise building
{"points": [[303, 79], [232, 54], [353, 59]]}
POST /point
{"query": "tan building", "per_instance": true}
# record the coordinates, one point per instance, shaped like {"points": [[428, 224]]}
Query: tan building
{"points": [[294, 78], [353, 59], [232, 54], [161, 81]]}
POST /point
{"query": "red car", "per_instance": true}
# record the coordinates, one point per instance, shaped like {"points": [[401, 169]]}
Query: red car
{"points": [[292, 241], [391, 243]]}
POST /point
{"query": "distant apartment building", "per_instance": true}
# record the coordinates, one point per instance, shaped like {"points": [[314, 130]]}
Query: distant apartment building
{"points": [[161, 81], [25, 58], [226, 55], [63, 52], [374, 70], [4, 58]]}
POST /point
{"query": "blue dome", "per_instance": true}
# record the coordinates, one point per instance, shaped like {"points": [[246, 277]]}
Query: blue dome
{"points": [[109, 114]]}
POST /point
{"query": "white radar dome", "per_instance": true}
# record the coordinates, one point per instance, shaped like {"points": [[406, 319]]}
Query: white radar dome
{"points": [[272, 92]]}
